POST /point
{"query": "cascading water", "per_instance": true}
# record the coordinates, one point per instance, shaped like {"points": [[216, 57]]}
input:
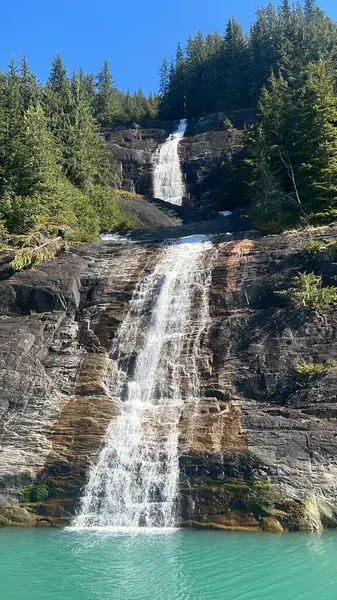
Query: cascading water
{"points": [[135, 481], [168, 182]]}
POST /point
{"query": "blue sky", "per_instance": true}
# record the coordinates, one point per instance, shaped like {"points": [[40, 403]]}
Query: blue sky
{"points": [[134, 35]]}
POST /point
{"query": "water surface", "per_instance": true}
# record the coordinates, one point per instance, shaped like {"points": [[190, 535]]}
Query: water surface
{"points": [[44, 564]]}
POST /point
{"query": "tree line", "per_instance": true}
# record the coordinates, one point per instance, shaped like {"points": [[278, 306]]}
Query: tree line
{"points": [[226, 72], [55, 168], [285, 70]]}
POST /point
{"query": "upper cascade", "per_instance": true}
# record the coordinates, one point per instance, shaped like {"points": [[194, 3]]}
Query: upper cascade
{"points": [[168, 182]]}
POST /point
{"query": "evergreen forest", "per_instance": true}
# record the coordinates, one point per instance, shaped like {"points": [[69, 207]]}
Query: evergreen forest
{"points": [[56, 172]]}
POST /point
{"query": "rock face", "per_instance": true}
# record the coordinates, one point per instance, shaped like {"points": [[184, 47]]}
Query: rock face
{"points": [[262, 453], [206, 145], [274, 440]]}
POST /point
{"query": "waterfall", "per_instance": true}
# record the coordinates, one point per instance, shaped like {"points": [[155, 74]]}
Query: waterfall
{"points": [[168, 183], [135, 481]]}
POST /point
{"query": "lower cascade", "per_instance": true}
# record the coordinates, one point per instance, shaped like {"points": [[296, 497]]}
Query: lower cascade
{"points": [[135, 481], [168, 182]]}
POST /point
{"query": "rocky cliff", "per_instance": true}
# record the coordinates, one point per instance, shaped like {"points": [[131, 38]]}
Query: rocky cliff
{"points": [[260, 452], [206, 145]]}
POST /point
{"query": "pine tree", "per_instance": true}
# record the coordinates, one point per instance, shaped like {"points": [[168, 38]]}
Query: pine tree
{"points": [[235, 91], [153, 104], [13, 114], [37, 155], [84, 153], [262, 57], [195, 76], [30, 89], [309, 6], [57, 99], [108, 109], [276, 203], [3, 134], [87, 81], [163, 78], [58, 80], [315, 144]]}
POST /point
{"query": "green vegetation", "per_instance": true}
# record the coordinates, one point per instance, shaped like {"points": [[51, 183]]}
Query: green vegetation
{"points": [[284, 71], [307, 290], [292, 151], [262, 495], [55, 168], [305, 370], [316, 248], [306, 373], [35, 250], [227, 125], [216, 72], [35, 493], [54, 165]]}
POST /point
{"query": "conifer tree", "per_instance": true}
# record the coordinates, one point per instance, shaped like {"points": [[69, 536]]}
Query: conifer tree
{"points": [[37, 155], [84, 153], [108, 109], [315, 143], [234, 90], [309, 6], [30, 89], [13, 115], [57, 99], [163, 78]]}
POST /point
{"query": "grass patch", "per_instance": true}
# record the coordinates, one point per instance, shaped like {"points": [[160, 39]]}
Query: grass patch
{"points": [[316, 248]]}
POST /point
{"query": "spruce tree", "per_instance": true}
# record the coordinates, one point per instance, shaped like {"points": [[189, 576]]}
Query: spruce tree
{"points": [[309, 6], [58, 80], [108, 109], [13, 114], [57, 100], [315, 144], [84, 152], [30, 89], [37, 155], [163, 78], [235, 92]]}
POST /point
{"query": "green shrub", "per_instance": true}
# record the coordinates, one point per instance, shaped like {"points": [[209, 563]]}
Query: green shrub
{"points": [[227, 124], [110, 216], [80, 215], [317, 248], [307, 290], [35, 493], [263, 494], [305, 370], [305, 373], [313, 247]]}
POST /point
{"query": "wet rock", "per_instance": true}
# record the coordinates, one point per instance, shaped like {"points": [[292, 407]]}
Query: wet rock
{"points": [[271, 524], [13, 514], [206, 145], [253, 446]]}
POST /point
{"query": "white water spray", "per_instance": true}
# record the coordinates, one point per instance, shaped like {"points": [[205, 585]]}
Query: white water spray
{"points": [[135, 481], [168, 182]]}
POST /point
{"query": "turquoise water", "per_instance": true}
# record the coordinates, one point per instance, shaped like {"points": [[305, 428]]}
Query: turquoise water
{"points": [[184, 565]]}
